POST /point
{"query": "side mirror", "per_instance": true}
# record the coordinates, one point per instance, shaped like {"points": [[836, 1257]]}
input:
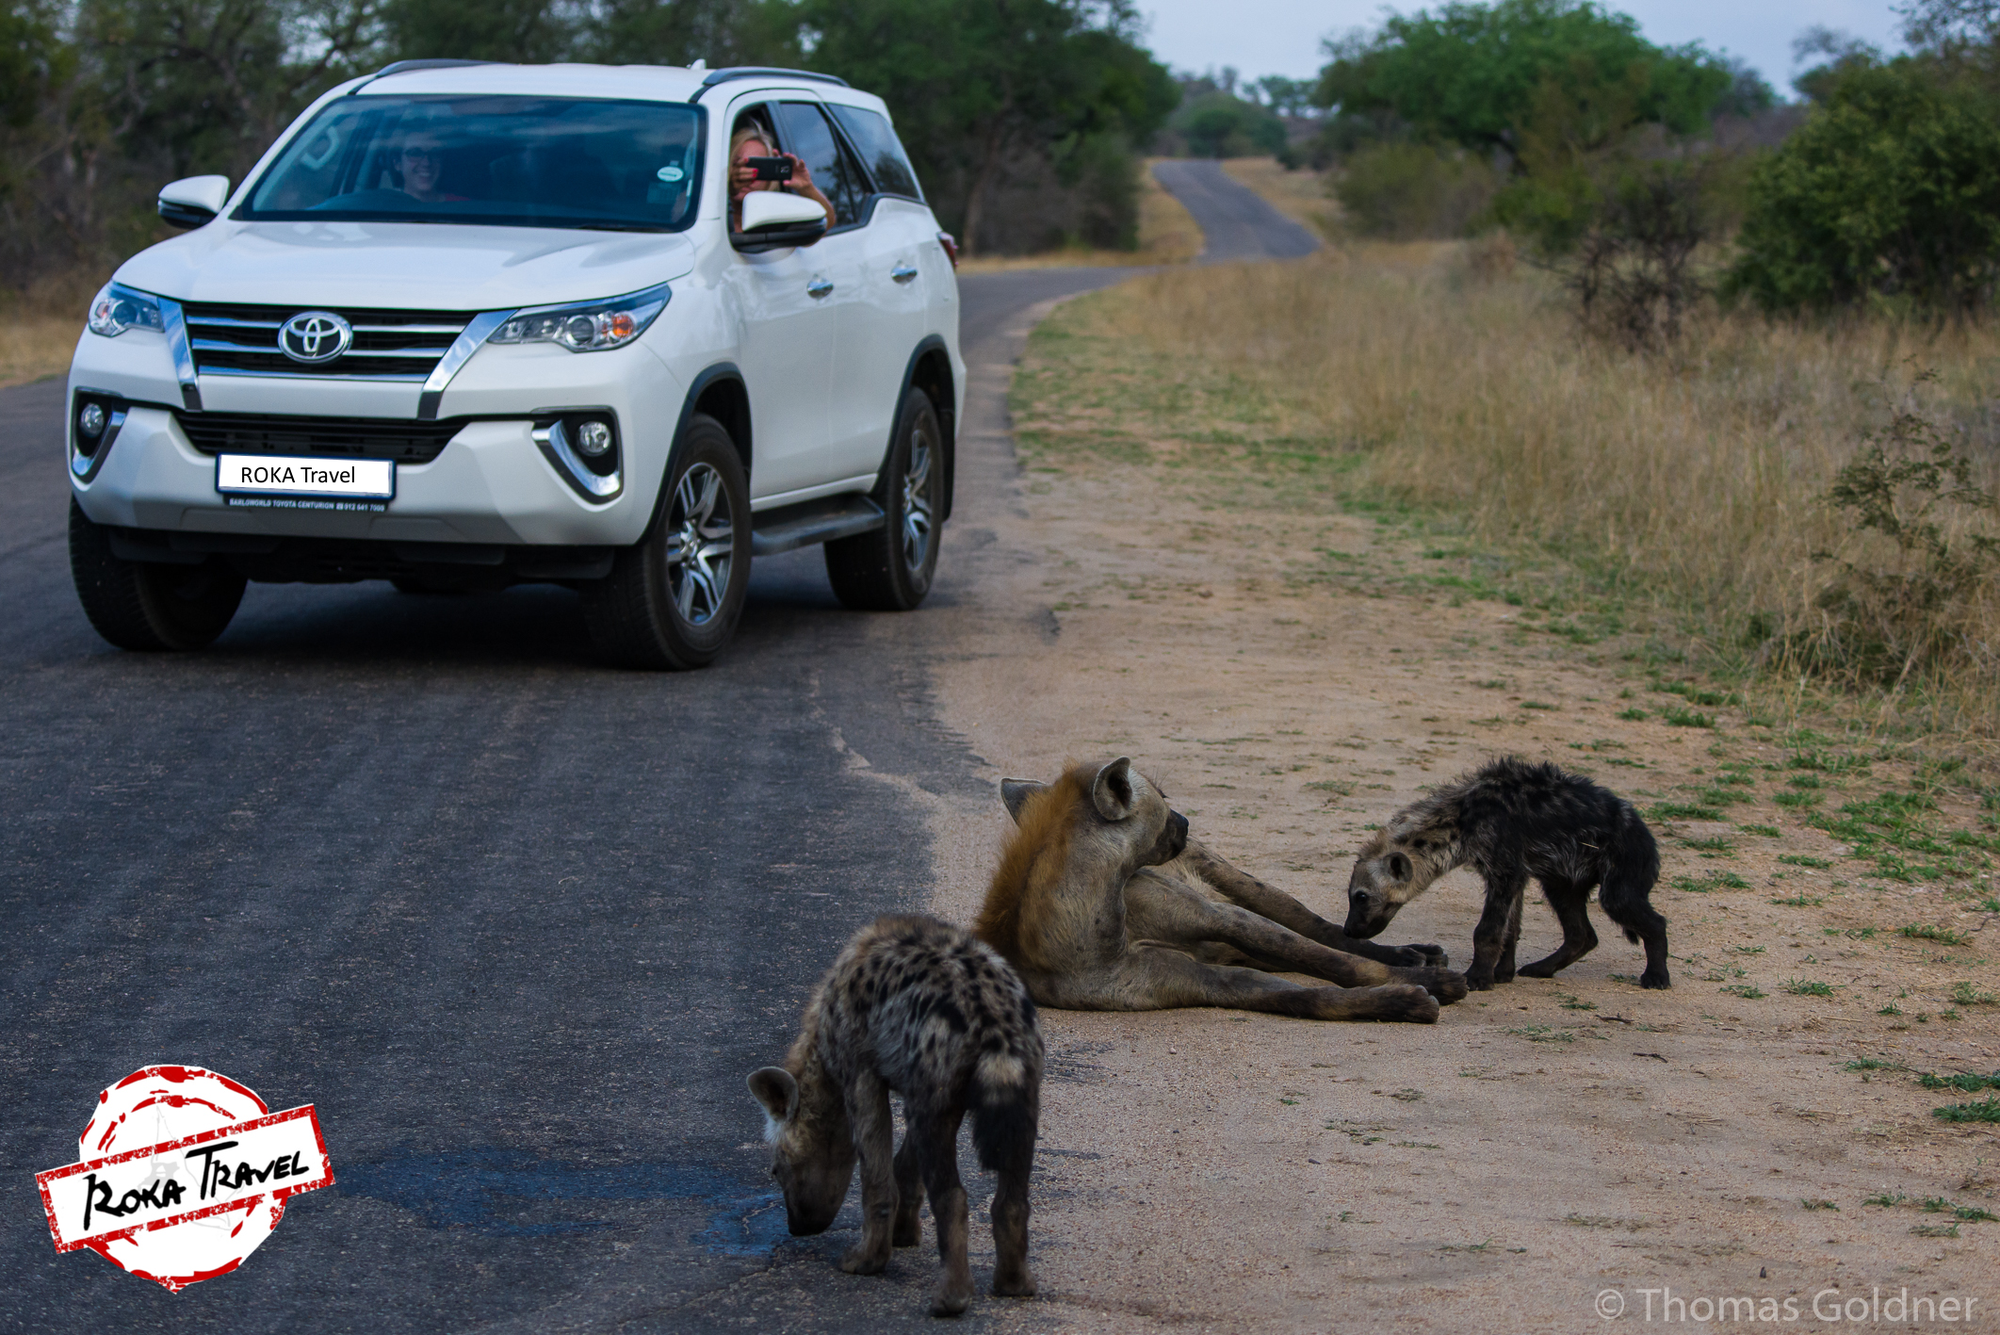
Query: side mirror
{"points": [[194, 201], [773, 219]]}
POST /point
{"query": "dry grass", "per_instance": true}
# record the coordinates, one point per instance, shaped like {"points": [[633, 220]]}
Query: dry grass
{"points": [[34, 346], [1300, 195], [1688, 488], [1168, 234]]}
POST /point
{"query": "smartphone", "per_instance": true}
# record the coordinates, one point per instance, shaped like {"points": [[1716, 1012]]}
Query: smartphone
{"points": [[771, 169]]}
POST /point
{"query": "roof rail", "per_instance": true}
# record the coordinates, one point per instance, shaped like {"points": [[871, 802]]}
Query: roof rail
{"points": [[714, 77], [405, 66]]}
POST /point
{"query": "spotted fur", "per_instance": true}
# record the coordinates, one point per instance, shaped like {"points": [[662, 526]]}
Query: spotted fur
{"points": [[920, 1008], [1510, 820]]}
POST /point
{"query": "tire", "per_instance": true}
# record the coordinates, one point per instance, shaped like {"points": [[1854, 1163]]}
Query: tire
{"points": [[890, 569], [143, 606], [672, 601]]}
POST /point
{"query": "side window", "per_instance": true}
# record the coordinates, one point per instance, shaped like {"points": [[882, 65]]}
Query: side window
{"points": [[880, 149], [805, 131]]}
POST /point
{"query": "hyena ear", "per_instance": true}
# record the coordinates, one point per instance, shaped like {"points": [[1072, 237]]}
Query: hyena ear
{"points": [[774, 1087], [1399, 868], [1016, 792], [1112, 790]]}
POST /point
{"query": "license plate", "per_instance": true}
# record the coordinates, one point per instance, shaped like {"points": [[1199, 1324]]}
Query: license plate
{"points": [[288, 482]]}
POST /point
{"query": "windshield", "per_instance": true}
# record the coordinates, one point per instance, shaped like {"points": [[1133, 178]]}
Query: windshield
{"points": [[506, 161]]}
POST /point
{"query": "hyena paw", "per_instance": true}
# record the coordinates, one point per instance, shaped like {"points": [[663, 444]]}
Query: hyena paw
{"points": [[950, 1299], [1650, 978], [1478, 979], [1443, 984], [1423, 957], [862, 1260], [1539, 969], [1402, 1001], [1018, 1285]]}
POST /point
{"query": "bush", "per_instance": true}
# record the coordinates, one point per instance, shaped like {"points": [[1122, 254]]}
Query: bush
{"points": [[1889, 192], [1408, 191], [1221, 125], [1923, 604]]}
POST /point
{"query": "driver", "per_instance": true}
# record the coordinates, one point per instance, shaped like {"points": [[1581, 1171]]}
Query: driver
{"points": [[420, 163], [749, 142]]}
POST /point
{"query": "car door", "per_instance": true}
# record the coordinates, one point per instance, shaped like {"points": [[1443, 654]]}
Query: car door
{"points": [[862, 403], [904, 278], [789, 328]]}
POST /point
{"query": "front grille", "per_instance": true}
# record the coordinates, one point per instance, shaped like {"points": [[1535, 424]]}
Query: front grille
{"points": [[397, 438], [388, 344]]}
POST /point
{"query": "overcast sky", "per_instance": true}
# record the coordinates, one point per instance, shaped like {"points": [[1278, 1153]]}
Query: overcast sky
{"points": [[1282, 36]]}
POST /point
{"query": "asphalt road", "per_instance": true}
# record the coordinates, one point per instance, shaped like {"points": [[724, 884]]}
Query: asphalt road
{"points": [[516, 924], [1236, 224]]}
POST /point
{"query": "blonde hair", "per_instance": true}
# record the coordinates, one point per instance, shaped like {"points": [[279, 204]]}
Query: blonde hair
{"points": [[745, 135]]}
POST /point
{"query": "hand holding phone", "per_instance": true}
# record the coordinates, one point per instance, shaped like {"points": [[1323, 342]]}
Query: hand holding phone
{"points": [[771, 169]]}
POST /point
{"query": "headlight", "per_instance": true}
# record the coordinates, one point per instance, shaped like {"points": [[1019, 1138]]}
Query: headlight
{"points": [[589, 326], [119, 308]]}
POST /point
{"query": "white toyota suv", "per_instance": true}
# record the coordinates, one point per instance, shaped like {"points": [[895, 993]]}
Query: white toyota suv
{"points": [[468, 324]]}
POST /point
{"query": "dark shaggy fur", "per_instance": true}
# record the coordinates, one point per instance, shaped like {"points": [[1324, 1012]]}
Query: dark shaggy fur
{"points": [[920, 1008], [1508, 821]]}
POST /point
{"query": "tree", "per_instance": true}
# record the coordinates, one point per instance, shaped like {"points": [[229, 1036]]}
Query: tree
{"points": [[1221, 125], [972, 82], [1470, 73], [1890, 190]]}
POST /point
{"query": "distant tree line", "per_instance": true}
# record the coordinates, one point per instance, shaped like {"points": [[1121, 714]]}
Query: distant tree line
{"points": [[103, 101], [1650, 177]]}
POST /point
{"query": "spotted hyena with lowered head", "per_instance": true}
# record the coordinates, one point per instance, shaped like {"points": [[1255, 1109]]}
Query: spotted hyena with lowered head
{"points": [[1510, 820], [920, 1008]]}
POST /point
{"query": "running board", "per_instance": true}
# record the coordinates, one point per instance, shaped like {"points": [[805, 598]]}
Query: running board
{"points": [[809, 522]]}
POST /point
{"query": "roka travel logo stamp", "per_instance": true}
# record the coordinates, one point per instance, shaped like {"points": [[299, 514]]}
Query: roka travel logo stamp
{"points": [[184, 1173]]}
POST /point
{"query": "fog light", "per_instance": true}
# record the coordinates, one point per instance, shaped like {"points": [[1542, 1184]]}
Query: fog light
{"points": [[91, 420], [593, 439]]}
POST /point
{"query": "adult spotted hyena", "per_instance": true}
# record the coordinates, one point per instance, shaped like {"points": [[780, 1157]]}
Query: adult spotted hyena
{"points": [[1096, 906], [1508, 821], [921, 1008]]}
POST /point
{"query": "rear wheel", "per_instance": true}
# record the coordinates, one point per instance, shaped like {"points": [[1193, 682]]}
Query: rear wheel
{"points": [[890, 569], [673, 600], [146, 606]]}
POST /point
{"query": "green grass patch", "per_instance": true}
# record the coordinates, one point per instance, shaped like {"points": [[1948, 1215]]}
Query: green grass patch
{"points": [[1944, 936], [1714, 880], [1541, 1033], [1986, 1110], [1801, 860], [1964, 1082], [1675, 716], [1806, 987], [1768, 831], [1634, 715], [1800, 901], [1683, 811], [1746, 991]]}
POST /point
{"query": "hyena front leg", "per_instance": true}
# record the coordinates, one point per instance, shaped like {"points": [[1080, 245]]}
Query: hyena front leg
{"points": [[1159, 909], [874, 1143], [936, 1136], [1161, 978], [1505, 884], [1241, 888]]}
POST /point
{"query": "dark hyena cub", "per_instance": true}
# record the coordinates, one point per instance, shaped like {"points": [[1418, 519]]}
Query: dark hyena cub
{"points": [[1509, 821], [919, 1007]]}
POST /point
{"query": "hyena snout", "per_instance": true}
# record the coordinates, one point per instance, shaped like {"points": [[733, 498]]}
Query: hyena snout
{"points": [[1172, 841], [1368, 912]]}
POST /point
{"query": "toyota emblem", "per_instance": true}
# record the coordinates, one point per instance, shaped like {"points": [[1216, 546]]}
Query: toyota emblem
{"points": [[315, 336]]}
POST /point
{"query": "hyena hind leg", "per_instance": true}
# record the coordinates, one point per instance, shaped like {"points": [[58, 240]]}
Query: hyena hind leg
{"points": [[909, 1229], [936, 1134], [1579, 938]]}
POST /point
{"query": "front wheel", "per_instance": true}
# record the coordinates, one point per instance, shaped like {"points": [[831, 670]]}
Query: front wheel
{"points": [[890, 569], [144, 606], [673, 600]]}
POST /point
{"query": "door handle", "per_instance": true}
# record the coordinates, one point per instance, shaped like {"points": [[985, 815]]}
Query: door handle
{"points": [[819, 287], [903, 273]]}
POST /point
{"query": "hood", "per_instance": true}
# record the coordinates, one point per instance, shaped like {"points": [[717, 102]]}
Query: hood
{"points": [[439, 266]]}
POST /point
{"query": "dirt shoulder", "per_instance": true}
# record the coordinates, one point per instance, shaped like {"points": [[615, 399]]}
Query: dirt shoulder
{"points": [[1544, 1141]]}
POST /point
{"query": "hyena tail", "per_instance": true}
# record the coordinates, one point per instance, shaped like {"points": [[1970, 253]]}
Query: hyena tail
{"points": [[1006, 1106], [1626, 893]]}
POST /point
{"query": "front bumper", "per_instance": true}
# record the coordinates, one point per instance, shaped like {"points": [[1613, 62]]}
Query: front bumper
{"points": [[491, 484]]}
